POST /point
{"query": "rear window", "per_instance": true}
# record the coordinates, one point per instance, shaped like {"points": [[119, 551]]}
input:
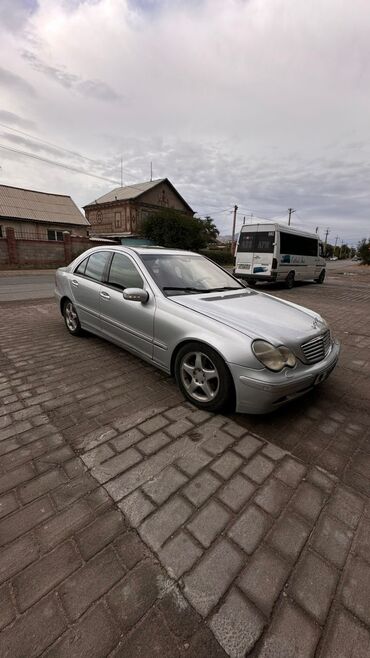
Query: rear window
{"points": [[261, 242]]}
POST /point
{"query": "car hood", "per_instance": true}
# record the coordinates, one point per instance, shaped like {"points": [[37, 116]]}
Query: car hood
{"points": [[257, 315]]}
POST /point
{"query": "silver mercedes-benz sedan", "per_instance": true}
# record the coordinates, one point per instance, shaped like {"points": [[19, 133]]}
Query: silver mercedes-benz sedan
{"points": [[226, 345]]}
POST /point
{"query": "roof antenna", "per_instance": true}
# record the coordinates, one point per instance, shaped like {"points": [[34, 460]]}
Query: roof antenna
{"points": [[151, 171]]}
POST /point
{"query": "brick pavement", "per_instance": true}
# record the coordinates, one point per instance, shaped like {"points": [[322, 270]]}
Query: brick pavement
{"points": [[135, 525]]}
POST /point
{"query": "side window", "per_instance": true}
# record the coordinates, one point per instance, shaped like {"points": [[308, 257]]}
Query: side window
{"points": [[96, 265], [80, 269], [123, 273]]}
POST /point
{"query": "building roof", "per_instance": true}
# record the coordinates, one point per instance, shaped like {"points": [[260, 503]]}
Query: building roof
{"points": [[17, 203], [133, 192]]}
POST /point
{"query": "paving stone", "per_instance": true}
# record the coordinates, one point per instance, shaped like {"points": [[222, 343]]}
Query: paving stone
{"points": [[247, 446], [164, 484], [94, 636], [112, 467], [135, 594], [177, 413], [362, 544], [332, 539], [54, 457], [194, 463], [321, 479], [210, 578], [273, 496], [289, 535], [42, 484], [234, 429], [146, 641], [179, 428], [313, 585], [7, 611], [97, 455], [290, 471], [153, 443], [345, 638], [204, 645], [89, 440], [90, 583], [24, 519], [180, 617], [198, 416], [356, 481], [201, 488], [126, 440], [163, 523], [34, 631], [42, 576], [356, 589], [237, 625], [17, 476], [131, 549], [292, 634], [68, 493], [153, 424], [8, 504], [263, 578], [209, 522], [346, 506], [217, 443], [274, 452], [63, 525], [226, 465], [136, 507], [258, 469], [100, 533], [236, 492], [250, 528], [179, 554], [308, 501]]}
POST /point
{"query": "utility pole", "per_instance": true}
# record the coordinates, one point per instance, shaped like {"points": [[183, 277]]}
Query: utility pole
{"points": [[233, 233], [326, 239], [340, 250], [316, 229], [290, 211]]}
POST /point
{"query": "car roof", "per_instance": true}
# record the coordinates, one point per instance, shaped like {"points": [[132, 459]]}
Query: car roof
{"points": [[144, 250]]}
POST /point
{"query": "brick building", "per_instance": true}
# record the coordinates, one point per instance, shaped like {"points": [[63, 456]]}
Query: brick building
{"points": [[119, 213], [39, 215]]}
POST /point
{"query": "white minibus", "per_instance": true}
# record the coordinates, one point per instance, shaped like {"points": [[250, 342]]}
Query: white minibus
{"points": [[277, 252]]}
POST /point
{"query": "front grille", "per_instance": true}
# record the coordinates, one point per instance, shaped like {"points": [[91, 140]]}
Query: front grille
{"points": [[316, 349]]}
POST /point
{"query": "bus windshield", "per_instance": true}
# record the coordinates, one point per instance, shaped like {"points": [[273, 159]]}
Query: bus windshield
{"points": [[257, 242]]}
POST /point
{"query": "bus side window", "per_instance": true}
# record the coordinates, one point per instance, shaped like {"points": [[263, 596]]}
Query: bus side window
{"points": [[321, 250]]}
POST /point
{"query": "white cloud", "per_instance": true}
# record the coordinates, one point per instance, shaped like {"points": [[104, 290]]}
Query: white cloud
{"points": [[263, 103]]}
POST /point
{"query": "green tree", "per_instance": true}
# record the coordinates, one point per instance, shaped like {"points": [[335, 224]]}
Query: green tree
{"points": [[169, 228], [210, 230], [364, 251]]}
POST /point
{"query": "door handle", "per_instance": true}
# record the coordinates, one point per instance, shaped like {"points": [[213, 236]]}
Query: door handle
{"points": [[104, 295], [75, 283]]}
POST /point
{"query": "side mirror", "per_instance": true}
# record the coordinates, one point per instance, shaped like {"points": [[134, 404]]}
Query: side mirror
{"points": [[135, 295]]}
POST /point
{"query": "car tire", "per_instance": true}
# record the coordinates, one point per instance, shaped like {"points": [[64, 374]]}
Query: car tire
{"points": [[289, 281], [194, 364], [71, 318], [321, 278]]}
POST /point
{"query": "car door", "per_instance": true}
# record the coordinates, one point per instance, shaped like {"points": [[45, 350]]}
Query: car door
{"points": [[127, 322], [85, 284]]}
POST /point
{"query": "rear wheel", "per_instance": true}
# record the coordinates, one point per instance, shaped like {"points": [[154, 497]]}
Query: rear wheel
{"points": [[289, 281], [203, 377], [71, 319], [321, 278]]}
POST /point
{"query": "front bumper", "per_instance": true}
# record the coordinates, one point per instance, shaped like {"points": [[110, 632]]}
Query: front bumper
{"points": [[262, 391]]}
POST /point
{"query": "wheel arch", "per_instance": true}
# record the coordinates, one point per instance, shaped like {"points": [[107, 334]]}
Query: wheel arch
{"points": [[63, 300]]}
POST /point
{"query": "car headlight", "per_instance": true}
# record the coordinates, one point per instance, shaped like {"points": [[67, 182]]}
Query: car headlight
{"points": [[273, 358]]}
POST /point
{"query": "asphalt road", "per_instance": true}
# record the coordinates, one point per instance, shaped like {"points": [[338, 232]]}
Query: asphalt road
{"points": [[23, 286]]}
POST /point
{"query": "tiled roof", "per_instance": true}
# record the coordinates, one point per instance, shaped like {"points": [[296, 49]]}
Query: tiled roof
{"points": [[17, 203]]}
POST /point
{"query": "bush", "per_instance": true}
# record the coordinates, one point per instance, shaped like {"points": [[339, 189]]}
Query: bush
{"points": [[364, 251], [218, 256]]}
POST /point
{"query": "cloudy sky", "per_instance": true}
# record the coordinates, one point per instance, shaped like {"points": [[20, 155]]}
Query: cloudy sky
{"points": [[262, 103]]}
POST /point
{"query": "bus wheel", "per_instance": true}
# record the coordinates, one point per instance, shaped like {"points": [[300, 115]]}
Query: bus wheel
{"points": [[321, 277], [289, 281]]}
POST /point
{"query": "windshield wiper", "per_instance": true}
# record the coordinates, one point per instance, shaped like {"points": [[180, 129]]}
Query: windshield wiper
{"points": [[201, 290]]}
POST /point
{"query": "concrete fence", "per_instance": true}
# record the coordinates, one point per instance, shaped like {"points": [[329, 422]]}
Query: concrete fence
{"points": [[19, 253]]}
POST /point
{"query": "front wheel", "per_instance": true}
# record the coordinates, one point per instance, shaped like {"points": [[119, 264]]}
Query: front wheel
{"points": [[203, 377], [71, 319], [289, 281], [321, 277]]}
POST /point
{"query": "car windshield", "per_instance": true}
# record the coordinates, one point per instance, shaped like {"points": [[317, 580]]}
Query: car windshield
{"points": [[186, 274]]}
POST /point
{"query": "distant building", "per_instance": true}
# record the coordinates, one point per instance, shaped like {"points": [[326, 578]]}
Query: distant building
{"points": [[119, 214], [39, 215]]}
